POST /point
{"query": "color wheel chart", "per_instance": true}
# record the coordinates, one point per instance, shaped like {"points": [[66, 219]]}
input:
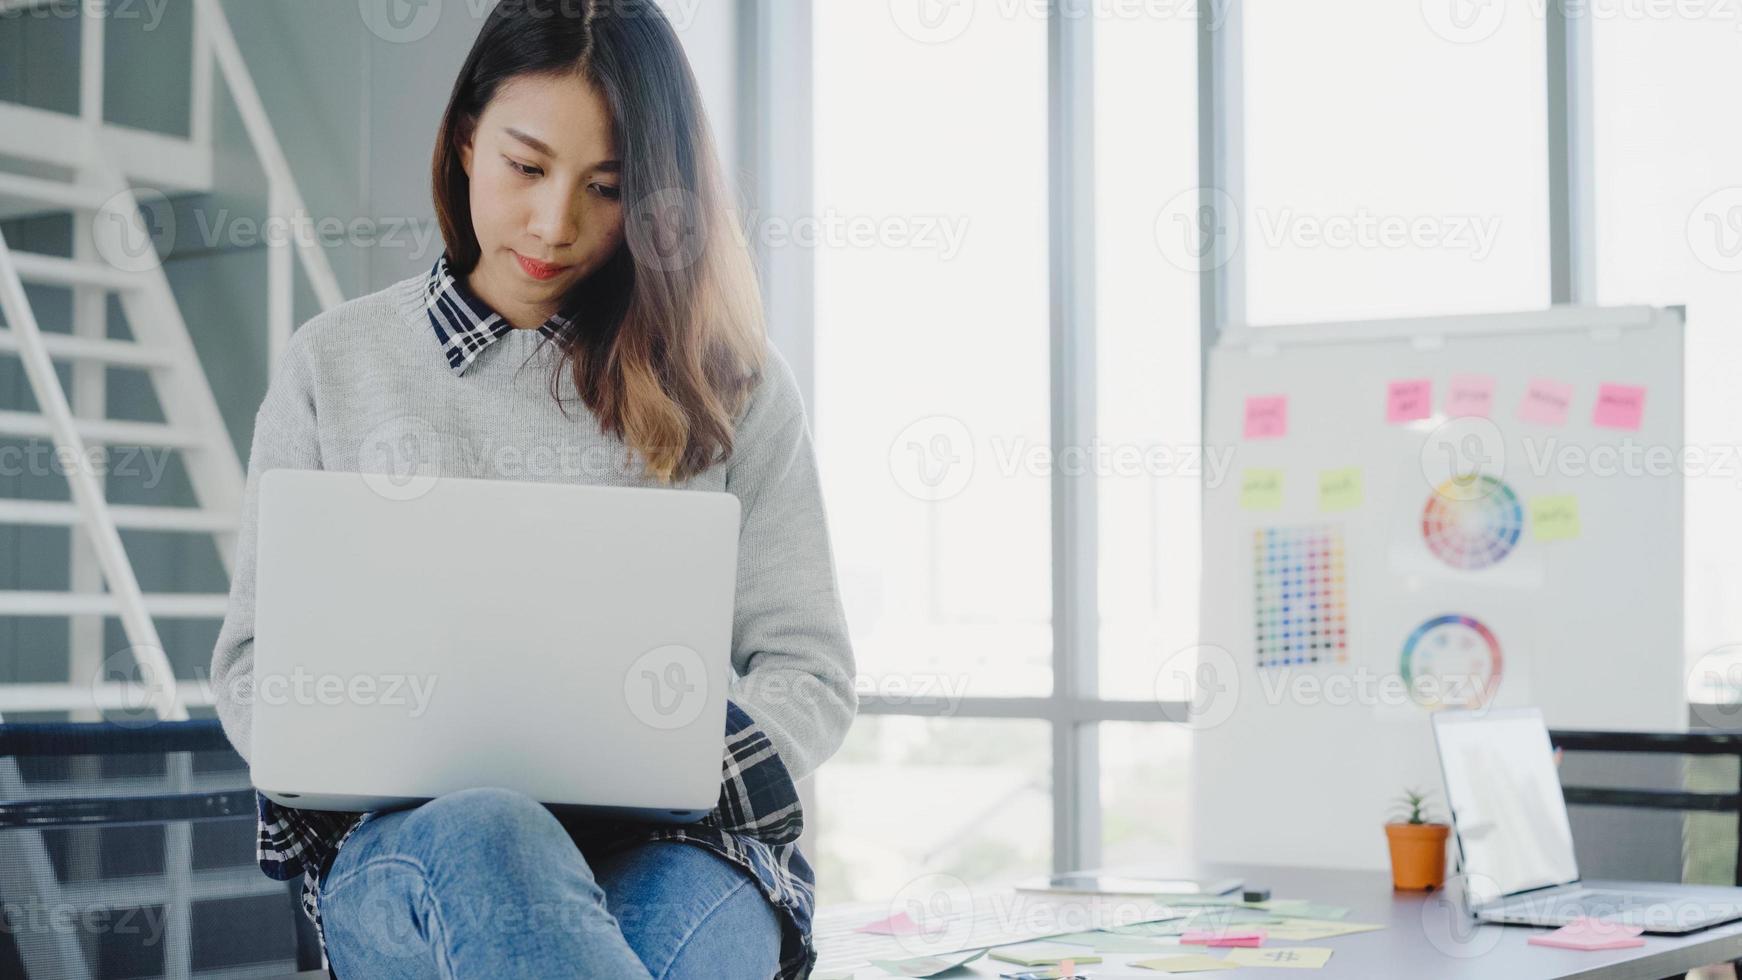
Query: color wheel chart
{"points": [[1472, 523], [1300, 597], [1451, 662]]}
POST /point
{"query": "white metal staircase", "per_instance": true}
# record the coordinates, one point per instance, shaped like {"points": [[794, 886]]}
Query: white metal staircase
{"points": [[113, 254], [107, 164]]}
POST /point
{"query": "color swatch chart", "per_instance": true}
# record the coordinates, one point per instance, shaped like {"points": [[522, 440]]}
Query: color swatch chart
{"points": [[1300, 596]]}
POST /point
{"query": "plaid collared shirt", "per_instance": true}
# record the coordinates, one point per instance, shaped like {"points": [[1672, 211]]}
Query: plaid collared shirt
{"points": [[755, 825], [465, 324]]}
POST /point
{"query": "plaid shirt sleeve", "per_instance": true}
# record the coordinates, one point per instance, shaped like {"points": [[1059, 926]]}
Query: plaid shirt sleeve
{"points": [[293, 842], [757, 794]]}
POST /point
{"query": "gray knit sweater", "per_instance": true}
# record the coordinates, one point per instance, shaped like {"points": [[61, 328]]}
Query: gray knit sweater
{"points": [[369, 374]]}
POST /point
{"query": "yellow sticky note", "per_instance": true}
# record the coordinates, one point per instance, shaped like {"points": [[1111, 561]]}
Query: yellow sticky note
{"points": [[1284, 957], [1261, 490], [1555, 518], [1340, 489], [1185, 964]]}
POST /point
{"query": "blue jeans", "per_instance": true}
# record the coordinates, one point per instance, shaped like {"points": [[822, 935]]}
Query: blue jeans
{"points": [[487, 883]]}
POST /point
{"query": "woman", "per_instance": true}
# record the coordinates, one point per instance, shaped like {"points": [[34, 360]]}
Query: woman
{"points": [[585, 219]]}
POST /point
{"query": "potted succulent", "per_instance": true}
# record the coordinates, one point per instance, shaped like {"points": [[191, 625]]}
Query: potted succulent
{"points": [[1418, 845]]}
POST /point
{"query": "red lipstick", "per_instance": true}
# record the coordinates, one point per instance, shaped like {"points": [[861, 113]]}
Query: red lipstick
{"points": [[541, 271]]}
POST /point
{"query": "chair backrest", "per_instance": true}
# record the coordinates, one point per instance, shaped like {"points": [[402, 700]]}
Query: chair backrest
{"points": [[1668, 806], [129, 850]]}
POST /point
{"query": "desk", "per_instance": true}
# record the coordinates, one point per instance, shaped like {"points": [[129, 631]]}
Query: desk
{"points": [[1424, 939]]}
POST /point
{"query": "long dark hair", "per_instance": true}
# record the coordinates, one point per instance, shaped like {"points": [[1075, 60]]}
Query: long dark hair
{"points": [[670, 337]]}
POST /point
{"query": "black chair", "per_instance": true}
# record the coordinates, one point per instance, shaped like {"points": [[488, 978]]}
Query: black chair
{"points": [[1674, 797], [126, 850], [1673, 794]]}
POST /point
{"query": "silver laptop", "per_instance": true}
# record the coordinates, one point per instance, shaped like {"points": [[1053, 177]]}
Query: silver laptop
{"points": [[569, 642], [1517, 845]]}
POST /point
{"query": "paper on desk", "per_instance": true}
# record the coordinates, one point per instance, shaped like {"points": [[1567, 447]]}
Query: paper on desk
{"points": [[927, 966], [1044, 954], [1223, 937], [1114, 942], [899, 924], [1044, 973], [1307, 930], [1222, 918], [1301, 908], [1171, 927], [1185, 964], [1187, 901], [1588, 933], [1284, 957]]}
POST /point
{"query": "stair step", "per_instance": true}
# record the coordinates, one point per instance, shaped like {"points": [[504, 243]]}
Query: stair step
{"points": [[113, 432], [52, 513], [66, 347], [136, 891], [168, 605], [40, 696], [55, 193], [53, 270]]}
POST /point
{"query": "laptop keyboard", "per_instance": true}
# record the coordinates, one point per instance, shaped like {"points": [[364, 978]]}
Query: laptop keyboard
{"points": [[1585, 903], [1618, 900], [1655, 913]]}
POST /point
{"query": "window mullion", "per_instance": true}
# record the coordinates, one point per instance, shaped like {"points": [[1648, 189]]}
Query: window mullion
{"points": [[1071, 179]]}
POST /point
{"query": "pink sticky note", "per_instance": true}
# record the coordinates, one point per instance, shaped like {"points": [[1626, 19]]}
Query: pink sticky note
{"points": [[1587, 933], [1470, 395], [1620, 407], [899, 924], [1267, 417], [1407, 401], [1215, 937], [1546, 402]]}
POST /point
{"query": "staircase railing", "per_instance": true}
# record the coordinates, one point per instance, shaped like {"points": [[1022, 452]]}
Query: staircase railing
{"points": [[215, 44], [108, 157]]}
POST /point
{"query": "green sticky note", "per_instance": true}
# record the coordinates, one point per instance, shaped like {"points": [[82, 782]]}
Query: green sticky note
{"points": [[1303, 909], [1174, 927], [1555, 518], [1186, 964], [1212, 918], [1261, 490], [926, 966], [1113, 942], [1191, 900], [1044, 954], [1340, 489]]}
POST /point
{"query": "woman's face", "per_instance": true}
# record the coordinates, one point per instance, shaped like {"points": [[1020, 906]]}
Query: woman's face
{"points": [[545, 182]]}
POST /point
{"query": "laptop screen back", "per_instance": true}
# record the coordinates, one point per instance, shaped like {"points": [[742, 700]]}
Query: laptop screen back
{"points": [[1506, 801]]}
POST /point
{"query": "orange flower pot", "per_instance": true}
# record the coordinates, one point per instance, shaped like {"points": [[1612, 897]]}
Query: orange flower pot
{"points": [[1418, 855]]}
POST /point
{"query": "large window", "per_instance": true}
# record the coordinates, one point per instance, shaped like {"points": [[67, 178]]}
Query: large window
{"points": [[1396, 159], [931, 397], [931, 345], [907, 797], [1376, 160], [1668, 171], [1148, 417]]}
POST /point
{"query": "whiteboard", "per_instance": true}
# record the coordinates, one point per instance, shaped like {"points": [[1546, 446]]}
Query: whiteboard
{"points": [[1372, 556]]}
